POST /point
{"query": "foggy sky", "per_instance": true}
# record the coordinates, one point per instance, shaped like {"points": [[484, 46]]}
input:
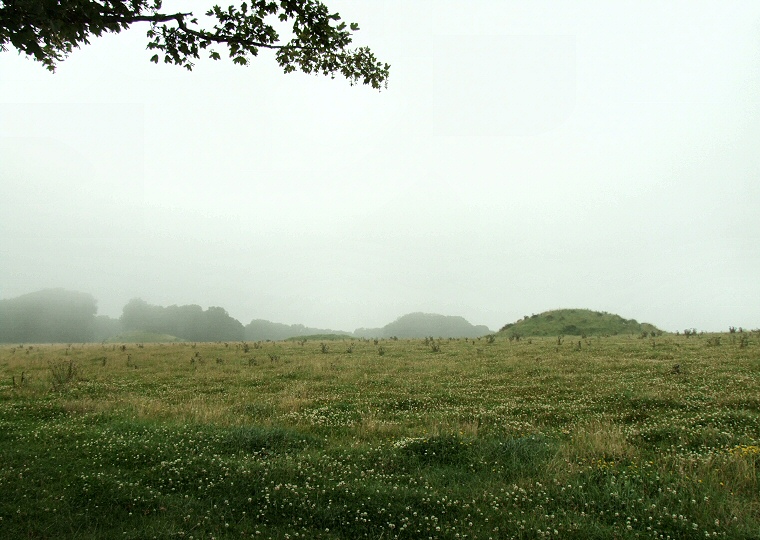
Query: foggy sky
{"points": [[525, 157]]}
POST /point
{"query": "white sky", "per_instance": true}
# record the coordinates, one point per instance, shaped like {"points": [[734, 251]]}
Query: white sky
{"points": [[526, 156]]}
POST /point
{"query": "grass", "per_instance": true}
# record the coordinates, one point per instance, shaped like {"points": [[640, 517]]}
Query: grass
{"points": [[317, 337], [528, 439], [139, 336]]}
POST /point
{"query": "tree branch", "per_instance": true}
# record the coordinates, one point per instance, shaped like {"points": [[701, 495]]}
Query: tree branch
{"points": [[157, 18], [222, 39]]}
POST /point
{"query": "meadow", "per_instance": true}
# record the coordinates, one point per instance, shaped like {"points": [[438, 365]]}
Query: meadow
{"points": [[595, 438]]}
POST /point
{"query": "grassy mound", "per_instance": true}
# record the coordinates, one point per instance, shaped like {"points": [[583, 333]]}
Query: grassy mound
{"points": [[576, 322], [420, 325]]}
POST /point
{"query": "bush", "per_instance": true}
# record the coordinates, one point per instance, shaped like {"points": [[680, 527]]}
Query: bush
{"points": [[62, 373]]}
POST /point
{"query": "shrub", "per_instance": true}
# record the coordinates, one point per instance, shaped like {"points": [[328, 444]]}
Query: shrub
{"points": [[62, 373]]}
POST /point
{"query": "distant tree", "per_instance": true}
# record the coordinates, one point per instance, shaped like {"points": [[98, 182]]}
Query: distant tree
{"points": [[188, 322], [318, 41], [105, 327], [139, 315], [48, 316], [222, 327]]}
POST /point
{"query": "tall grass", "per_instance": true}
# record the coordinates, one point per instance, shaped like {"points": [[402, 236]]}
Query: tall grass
{"points": [[510, 439]]}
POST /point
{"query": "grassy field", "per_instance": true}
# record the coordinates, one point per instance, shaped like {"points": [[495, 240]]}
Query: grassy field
{"points": [[620, 437]]}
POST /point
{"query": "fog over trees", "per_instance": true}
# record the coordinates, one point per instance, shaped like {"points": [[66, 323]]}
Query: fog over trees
{"points": [[52, 315], [260, 329], [190, 322], [58, 315], [62, 316]]}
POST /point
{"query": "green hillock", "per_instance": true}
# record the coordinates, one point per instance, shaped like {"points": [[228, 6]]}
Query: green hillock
{"points": [[576, 322]]}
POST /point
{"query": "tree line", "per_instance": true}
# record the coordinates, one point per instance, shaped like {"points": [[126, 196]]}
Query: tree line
{"points": [[50, 316], [190, 322], [61, 316]]}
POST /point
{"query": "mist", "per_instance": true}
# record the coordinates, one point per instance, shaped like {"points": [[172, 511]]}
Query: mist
{"points": [[523, 158]]}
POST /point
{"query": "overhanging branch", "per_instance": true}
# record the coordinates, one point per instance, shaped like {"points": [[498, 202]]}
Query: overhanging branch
{"points": [[157, 18], [223, 39]]}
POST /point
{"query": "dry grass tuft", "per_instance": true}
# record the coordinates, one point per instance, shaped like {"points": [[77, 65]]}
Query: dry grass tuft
{"points": [[591, 443]]}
